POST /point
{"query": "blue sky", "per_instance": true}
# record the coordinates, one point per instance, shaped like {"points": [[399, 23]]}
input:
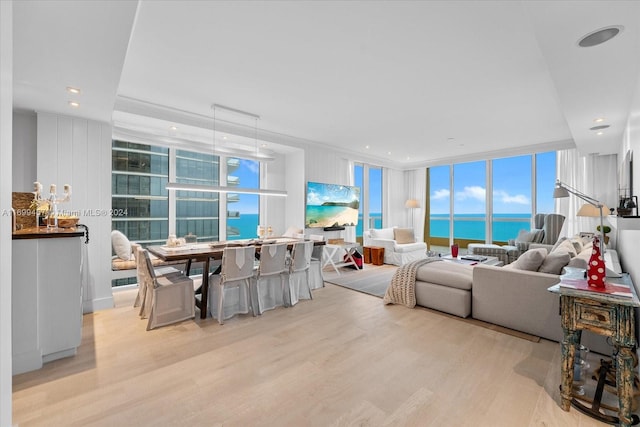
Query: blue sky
{"points": [[511, 178], [511, 186], [249, 175]]}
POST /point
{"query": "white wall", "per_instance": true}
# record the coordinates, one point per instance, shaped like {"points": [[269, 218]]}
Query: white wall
{"points": [[6, 106], [78, 152], [629, 254], [25, 146]]}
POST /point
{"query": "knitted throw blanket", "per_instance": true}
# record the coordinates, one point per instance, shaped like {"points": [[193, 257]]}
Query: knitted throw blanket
{"points": [[402, 289]]}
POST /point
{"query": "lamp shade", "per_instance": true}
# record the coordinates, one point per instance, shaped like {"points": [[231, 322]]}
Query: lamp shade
{"points": [[560, 192], [590, 210], [412, 203]]}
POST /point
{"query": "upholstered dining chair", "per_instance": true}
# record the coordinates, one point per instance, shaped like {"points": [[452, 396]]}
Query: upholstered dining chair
{"points": [[168, 299], [229, 291], [298, 286], [316, 277], [267, 291], [140, 261]]}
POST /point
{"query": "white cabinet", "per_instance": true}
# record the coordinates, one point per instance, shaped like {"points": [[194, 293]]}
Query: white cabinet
{"points": [[46, 300]]}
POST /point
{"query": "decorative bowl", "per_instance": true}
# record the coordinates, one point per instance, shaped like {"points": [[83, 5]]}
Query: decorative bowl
{"points": [[64, 221]]}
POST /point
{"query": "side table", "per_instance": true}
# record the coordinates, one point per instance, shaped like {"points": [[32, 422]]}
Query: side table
{"points": [[330, 250], [605, 314]]}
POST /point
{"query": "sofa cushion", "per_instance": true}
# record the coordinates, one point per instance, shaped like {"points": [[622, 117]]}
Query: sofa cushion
{"points": [[555, 262], [446, 273], [382, 233], [410, 247], [530, 260], [121, 245], [403, 235]]}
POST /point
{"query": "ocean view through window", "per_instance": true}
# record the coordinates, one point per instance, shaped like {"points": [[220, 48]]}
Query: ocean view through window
{"points": [[463, 215], [139, 176], [369, 179]]}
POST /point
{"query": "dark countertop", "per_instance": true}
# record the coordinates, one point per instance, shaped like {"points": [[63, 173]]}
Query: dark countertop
{"points": [[42, 233]]}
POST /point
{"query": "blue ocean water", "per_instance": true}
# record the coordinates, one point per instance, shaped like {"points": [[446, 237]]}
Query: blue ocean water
{"points": [[472, 226], [246, 225], [469, 226]]}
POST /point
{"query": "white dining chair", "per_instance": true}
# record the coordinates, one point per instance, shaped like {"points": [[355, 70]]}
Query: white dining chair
{"points": [[168, 298], [140, 268], [229, 291], [298, 284], [316, 276], [268, 287]]}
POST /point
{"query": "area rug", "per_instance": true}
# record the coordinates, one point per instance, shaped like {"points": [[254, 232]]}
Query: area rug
{"points": [[374, 280]]}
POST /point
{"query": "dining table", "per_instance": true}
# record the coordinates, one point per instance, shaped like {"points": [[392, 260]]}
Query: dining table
{"points": [[204, 252]]}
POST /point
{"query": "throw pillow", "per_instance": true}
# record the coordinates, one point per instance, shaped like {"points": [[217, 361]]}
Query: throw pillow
{"points": [[121, 245], [555, 246], [565, 246], [577, 243], [382, 233], [403, 235], [531, 260], [555, 262]]}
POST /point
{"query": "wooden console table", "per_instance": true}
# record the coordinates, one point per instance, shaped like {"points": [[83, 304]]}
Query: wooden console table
{"points": [[605, 314]]}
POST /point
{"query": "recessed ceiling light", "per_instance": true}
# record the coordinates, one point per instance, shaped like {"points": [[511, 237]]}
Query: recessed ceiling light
{"points": [[598, 120], [173, 128], [224, 137], [73, 90], [599, 127], [389, 152], [599, 133], [600, 36], [263, 145], [74, 104], [366, 146]]}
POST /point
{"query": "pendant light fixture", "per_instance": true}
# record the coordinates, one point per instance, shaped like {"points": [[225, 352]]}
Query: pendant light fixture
{"points": [[227, 189]]}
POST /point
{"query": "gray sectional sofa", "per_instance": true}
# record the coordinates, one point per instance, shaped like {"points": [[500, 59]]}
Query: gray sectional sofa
{"points": [[508, 297]]}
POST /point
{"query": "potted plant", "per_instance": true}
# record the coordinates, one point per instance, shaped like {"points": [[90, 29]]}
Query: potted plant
{"points": [[605, 229]]}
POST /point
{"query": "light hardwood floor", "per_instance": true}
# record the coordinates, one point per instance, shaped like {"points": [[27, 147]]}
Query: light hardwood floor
{"points": [[341, 359]]}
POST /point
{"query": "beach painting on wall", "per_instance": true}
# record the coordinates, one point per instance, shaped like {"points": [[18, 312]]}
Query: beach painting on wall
{"points": [[331, 205]]}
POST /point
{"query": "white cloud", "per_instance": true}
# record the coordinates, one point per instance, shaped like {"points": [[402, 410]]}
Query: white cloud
{"points": [[504, 197], [440, 194], [473, 192]]}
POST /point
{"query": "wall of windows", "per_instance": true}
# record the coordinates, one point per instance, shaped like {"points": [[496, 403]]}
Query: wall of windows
{"points": [[243, 210], [369, 179], [196, 211], [139, 176], [460, 215], [138, 179], [512, 202]]}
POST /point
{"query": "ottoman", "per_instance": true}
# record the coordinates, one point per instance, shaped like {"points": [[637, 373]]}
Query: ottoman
{"points": [[506, 254], [445, 286]]}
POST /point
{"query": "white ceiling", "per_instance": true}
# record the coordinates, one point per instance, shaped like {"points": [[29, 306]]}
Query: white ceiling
{"points": [[423, 81]]}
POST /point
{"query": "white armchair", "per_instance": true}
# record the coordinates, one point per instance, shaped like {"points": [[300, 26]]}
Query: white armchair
{"points": [[400, 246]]}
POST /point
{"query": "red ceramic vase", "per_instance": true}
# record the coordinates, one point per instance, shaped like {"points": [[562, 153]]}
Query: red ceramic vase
{"points": [[596, 271]]}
